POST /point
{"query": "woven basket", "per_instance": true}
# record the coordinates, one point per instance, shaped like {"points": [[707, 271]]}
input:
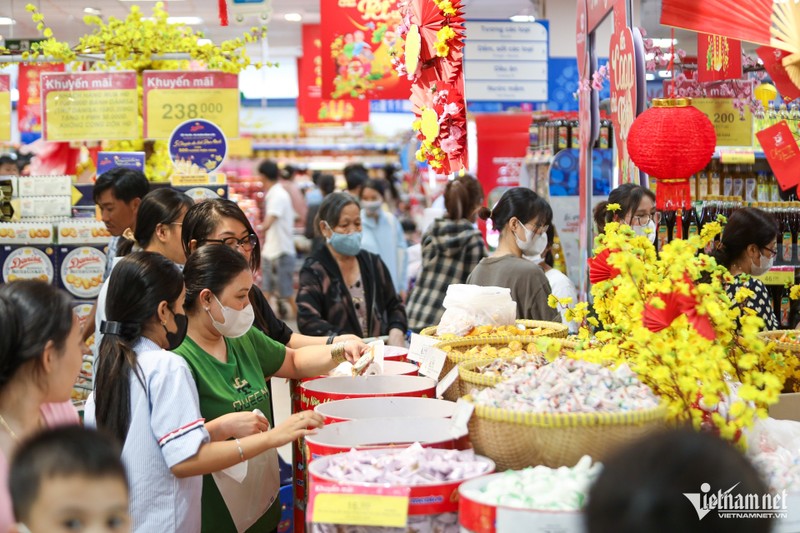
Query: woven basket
{"points": [[470, 380], [558, 329], [453, 359], [516, 440], [773, 337]]}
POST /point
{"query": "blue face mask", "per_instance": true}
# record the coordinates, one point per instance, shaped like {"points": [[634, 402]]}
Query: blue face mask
{"points": [[345, 243]]}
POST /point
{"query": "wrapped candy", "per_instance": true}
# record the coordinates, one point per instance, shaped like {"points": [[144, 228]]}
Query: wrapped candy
{"points": [[540, 488], [506, 368], [570, 386]]}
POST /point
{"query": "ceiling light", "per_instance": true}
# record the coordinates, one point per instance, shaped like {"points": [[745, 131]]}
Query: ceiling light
{"points": [[7, 21], [523, 18], [664, 43], [293, 17], [92, 11]]}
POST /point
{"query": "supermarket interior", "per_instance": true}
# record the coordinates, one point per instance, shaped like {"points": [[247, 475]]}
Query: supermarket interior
{"points": [[388, 266]]}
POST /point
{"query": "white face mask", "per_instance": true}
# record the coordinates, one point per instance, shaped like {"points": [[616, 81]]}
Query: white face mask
{"points": [[236, 323], [534, 244], [640, 230], [761, 267]]}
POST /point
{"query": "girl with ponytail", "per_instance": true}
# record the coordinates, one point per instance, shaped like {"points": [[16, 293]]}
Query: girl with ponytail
{"points": [[40, 358], [145, 396]]}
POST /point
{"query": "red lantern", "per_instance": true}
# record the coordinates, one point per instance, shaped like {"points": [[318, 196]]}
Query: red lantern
{"points": [[671, 141]]}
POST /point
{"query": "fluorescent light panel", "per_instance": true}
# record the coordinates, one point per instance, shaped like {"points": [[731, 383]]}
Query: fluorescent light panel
{"points": [[293, 17], [523, 18]]}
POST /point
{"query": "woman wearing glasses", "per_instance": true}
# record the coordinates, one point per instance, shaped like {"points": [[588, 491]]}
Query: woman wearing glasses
{"points": [[637, 209], [523, 218], [221, 221], [748, 247]]}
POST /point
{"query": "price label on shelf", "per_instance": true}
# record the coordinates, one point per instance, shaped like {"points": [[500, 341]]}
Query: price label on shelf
{"points": [[359, 506], [419, 346], [737, 157], [781, 275], [732, 128], [170, 98]]}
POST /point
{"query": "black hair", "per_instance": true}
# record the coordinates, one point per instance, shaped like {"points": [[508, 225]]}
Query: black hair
{"points": [[326, 184], [462, 196], [355, 174], [61, 452], [212, 268], [203, 218], [745, 226], [9, 160], [520, 203], [549, 260], [140, 282], [269, 169], [642, 487], [34, 313], [330, 210], [375, 185], [628, 196], [127, 184], [160, 206]]}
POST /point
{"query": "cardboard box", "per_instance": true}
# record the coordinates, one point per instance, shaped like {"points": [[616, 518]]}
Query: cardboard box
{"points": [[82, 231], [26, 233], [28, 262], [787, 408], [45, 206], [108, 160], [204, 192], [44, 186], [80, 270]]}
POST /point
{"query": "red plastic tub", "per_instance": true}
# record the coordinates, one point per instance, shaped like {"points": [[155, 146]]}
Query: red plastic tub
{"points": [[391, 407], [318, 391], [395, 353]]}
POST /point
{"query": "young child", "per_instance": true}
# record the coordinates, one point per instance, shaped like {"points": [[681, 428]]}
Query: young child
{"points": [[69, 479]]}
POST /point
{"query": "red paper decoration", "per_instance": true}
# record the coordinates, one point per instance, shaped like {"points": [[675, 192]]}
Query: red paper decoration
{"points": [[677, 304], [671, 141], [599, 269]]}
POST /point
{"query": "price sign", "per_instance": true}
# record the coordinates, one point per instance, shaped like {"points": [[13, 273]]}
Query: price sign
{"points": [[173, 97], [737, 157], [419, 346], [731, 128], [5, 107], [778, 276], [359, 506], [90, 106]]}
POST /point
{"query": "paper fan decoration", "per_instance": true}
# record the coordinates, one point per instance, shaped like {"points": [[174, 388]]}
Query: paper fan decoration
{"points": [[657, 317], [441, 125], [774, 23], [599, 269]]}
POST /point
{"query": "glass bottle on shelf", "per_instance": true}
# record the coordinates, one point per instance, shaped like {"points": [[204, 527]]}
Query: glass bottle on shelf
{"points": [[774, 190], [714, 180], [604, 139], [562, 135], [785, 309], [667, 226], [575, 134], [702, 185], [691, 225], [738, 182], [727, 180], [750, 185], [785, 242], [762, 187]]}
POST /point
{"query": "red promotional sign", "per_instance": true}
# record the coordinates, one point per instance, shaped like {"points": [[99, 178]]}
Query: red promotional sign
{"points": [[718, 58], [622, 70], [29, 106], [5, 107], [310, 104], [782, 153], [773, 64], [357, 38]]}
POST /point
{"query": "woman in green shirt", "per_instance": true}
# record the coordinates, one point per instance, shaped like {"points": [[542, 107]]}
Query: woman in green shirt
{"points": [[229, 359]]}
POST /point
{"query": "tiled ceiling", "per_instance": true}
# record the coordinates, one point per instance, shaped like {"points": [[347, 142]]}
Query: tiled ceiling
{"points": [[65, 17]]}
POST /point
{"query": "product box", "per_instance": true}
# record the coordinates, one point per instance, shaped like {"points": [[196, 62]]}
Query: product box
{"points": [[26, 233], [204, 192], [9, 186], [787, 408], [82, 231], [45, 206], [28, 262], [44, 186], [108, 160], [83, 195], [80, 270]]}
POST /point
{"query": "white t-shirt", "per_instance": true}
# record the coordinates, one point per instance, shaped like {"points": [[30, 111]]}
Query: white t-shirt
{"points": [[166, 428], [280, 236], [562, 287]]}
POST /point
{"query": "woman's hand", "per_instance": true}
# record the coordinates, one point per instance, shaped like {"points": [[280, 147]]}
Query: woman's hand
{"points": [[353, 350], [348, 337], [296, 426], [238, 425], [396, 338]]}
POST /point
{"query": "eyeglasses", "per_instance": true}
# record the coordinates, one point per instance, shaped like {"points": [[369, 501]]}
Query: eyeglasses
{"points": [[643, 220], [770, 250], [245, 243]]}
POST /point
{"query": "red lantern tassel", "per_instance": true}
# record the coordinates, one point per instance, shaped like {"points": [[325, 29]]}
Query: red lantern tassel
{"points": [[223, 12], [673, 194]]}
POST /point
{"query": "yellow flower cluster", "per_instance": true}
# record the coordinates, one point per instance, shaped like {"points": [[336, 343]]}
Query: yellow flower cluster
{"points": [[446, 6], [138, 43], [692, 373]]}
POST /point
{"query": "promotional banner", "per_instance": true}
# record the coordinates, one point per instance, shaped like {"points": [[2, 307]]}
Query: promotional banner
{"points": [[90, 106], [312, 108], [357, 37], [733, 128], [29, 106], [773, 64], [108, 160], [172, 97], [5, 107], [782, 153], [718, 58]]}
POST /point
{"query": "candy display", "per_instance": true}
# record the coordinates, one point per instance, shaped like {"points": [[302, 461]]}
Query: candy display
{"points": [[506, 368], [539, 488], [570, 386], [489, 351], [520, 328]]}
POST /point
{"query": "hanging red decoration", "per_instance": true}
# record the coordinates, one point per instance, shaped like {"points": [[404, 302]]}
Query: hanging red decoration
{"points": [[222, 5], [600, 269], [676, 303], [671, 141]]}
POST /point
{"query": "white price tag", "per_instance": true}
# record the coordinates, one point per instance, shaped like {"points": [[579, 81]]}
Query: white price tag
{"points": [[433, 362], [419, 346], [446, 382], [461, 415]]}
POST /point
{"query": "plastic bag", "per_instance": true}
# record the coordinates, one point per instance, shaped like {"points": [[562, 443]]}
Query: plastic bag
{"points": [[468, 306]]}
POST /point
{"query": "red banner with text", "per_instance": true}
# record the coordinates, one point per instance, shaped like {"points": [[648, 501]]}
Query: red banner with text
{"points": [[718, 58], [29, 106], [314, 109], [357, 38]]}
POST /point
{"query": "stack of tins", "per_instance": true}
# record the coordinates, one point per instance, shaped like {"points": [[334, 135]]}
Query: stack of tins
{"points": [[319, 391]]}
